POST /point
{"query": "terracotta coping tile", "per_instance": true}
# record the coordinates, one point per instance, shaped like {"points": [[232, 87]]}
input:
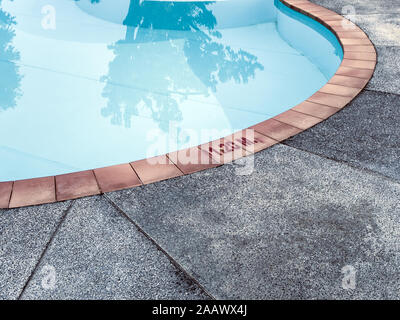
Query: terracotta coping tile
{"points": [[116, 177], [155, 169], [297, 2], [313, 9], [351, 27], [297, 119], [5, 194], [354, 41], [225, 150], [32, 192], [192, 160], [352, 35], [340, 90], [76, 185], [355, 72], [355, 48], [348, 81], [307, 5], [370, 56], [336, 20], [329, 99], [322, 14], [276, 130], [315, 109], [253, 141], [361, 64]]}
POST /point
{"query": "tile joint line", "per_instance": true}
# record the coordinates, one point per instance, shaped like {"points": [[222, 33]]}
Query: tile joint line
{"points": [[170, 258], [66, 211]]}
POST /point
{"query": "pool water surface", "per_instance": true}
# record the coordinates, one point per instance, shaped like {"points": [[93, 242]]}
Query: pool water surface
{"points": [[92, 83]]}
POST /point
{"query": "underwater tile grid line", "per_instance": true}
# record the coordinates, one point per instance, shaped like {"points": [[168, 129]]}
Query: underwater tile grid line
{"points": [[353, 74]]}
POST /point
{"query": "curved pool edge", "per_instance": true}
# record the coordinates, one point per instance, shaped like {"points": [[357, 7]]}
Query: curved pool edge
{"points": [[352, 76]]}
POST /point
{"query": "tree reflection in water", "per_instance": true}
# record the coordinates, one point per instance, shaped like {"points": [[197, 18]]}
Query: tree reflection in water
{"points": [[10, 79], [140, 60]]}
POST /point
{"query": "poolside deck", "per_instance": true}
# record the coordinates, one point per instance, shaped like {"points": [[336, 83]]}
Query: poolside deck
{"points": [[323, 200]]}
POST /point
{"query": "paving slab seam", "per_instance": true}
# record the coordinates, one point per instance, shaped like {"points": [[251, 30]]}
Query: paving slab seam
{"points": [[382, 92], [45, 249], [170, 258], [348, 164]]}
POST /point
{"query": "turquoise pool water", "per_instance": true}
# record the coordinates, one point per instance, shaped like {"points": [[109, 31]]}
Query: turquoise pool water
{"points": [[91, 83]]}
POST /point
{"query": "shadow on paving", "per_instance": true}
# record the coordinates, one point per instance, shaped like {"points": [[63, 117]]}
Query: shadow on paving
{"points": [[286, 231]]}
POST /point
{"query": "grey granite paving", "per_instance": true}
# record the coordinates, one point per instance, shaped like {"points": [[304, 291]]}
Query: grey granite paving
{"points": [[361, 6], [24, 234], [365, 134], [98, 254], [285, 231], [386, 77], [382, 29]]}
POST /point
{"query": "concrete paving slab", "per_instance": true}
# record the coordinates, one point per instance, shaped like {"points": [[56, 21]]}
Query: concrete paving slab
{"points": [[98, 254], [285, 231], [379, 19], [365, 134], [382, 29], [386, 77], [361, 6], [24, 234]]}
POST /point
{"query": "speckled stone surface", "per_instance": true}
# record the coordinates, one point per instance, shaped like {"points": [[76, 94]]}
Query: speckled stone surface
{"points": [[360, 6], [365, 134], [99, 254], [24, 235], [386, 77], [285, 231]]}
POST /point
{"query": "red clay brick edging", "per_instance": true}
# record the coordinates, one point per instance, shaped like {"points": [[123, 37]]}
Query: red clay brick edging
{"points": [[352, 76]]}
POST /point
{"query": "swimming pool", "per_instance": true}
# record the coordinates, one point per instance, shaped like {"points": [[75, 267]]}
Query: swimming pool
{"points": [[88, 84]]}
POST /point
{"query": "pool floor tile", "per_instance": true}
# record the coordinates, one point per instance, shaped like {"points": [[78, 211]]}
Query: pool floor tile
{"points": [[116, 177], [275, 129], [5, 194], [33, 192], [192, 160], [76, 185], [156, 169], [315, 109]]}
